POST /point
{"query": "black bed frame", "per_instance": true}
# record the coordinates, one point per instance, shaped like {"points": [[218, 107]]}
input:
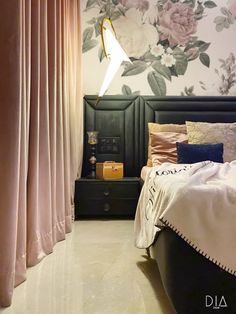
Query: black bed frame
{"points": [[187, 276], [126, 119]]}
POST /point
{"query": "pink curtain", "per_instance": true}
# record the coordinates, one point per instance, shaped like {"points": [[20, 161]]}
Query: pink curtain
{"points": [[40, 131]]}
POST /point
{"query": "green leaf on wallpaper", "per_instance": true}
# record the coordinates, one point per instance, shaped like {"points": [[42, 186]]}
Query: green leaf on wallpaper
{"points": [[219, 27], [97, 29], [173, 71], [87, 34], [157, 83], [101, 54], [199, 11], [204, 47], [126, 90], [115, 15], [210, 4], [219, 19], [89, 44], [148, 57], [134, 68], [231, 19], [181, 63], [92, 21], [190, 2], [188, 91], [198, 43], [226, 24], [97, 25], [162, 69], [205, 59], [90, 3], [225, 11], [202, 83]]}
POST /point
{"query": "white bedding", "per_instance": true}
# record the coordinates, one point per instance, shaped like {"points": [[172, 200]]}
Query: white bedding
{"points": [[145, 170], [198, 202]]}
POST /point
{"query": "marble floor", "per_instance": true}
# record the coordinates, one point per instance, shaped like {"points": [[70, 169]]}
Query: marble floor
{"points": [[97, 270]]}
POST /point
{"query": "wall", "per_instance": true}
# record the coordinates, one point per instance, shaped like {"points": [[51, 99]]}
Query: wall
{"points": [[177, 47]]}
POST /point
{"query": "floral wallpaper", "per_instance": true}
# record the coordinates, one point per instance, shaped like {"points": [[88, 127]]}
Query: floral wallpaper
{"points": [[177, 47]]}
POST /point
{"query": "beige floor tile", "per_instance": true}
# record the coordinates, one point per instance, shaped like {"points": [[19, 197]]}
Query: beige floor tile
{"points": [[97, 270]]}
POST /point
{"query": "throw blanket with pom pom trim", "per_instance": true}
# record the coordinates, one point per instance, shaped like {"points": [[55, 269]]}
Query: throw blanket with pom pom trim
{"points": [[198, 202]]}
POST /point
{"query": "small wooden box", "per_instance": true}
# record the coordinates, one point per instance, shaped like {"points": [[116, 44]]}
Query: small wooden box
{"points": [[109, 170]]}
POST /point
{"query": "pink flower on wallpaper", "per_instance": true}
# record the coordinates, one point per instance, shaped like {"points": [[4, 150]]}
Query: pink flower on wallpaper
{"points": [[232, 7], [141, 5], [177, 23]]}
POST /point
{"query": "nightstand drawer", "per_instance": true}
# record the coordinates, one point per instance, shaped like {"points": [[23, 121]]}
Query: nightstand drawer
{"points": [[124, 190], [106, 208], [94, 190], [108, 189]]}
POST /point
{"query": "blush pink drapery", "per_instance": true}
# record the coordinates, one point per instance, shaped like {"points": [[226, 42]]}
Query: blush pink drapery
{"points": [[40, 131]]}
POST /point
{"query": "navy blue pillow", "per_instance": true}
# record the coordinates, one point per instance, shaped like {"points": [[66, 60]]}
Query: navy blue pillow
{"points": [[191, 153]]}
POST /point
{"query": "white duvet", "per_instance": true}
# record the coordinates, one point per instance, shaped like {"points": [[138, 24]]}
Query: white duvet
{"points": [[198, 202]]}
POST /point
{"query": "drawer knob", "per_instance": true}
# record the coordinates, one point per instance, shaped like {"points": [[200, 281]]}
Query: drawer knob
{"points": [[107, 207], [106, 193]]}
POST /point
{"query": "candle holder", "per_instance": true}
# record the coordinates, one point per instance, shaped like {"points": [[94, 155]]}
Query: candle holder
{"points": [[92, 140]]}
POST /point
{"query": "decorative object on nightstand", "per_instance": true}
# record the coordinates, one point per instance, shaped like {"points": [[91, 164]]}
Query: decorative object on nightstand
{"points": [[109, 170], [92, 140], [106, 198]]}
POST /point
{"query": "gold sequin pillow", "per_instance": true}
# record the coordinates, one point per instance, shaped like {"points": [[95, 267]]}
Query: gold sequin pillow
{"points": [[212, 133], [156, 127]]}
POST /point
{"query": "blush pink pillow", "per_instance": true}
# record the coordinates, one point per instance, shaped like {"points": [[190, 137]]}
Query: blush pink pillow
{"points": [[163, 146], [156, 127]]}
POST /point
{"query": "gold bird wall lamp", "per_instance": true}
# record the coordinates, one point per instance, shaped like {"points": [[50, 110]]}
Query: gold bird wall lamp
{"points": [[113, 52]]}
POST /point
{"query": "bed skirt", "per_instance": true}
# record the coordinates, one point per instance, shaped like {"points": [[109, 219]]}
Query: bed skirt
{"points": [[193, 283]]}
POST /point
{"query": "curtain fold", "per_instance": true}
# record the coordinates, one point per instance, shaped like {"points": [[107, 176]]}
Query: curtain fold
{"points": [[40, 131]]}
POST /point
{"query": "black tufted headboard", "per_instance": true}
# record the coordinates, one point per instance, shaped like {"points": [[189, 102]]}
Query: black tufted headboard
{"points": [[126, 117]]}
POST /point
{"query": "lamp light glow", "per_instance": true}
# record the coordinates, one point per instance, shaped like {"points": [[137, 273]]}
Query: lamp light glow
{"points": [[114, 52]]}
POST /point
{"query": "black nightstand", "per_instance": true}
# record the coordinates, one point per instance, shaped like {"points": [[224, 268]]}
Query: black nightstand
{"points": [[103, 198]]}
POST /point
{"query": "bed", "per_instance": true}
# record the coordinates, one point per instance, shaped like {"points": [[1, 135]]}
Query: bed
{"points": [[193, 283], [187, 275]]}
